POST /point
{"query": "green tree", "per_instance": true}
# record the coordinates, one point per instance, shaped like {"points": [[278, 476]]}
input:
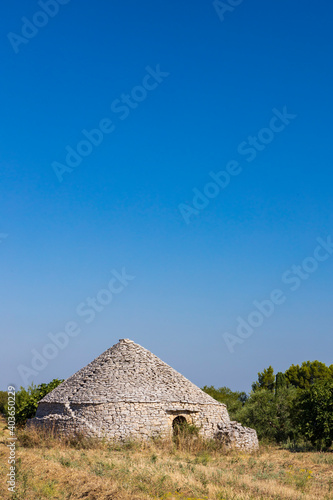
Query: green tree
{"points": [[314, 413], [280, 382], [308, 373], [270, 414], [285, 401], [266, 380], [259, 412]]}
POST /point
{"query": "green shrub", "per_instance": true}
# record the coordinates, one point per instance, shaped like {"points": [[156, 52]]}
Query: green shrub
{"points": [[26, 400], [3, 401], [314, 414], [271, 415]]}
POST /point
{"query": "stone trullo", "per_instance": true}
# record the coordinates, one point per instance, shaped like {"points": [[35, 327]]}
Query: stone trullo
{"points": [[128, 392]]}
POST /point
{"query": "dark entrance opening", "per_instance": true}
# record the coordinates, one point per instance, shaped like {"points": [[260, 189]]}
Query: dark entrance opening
{"points": [[178, 424]]}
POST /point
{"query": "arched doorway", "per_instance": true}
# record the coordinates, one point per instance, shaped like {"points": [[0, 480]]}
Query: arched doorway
{"points": [[177, 424]]}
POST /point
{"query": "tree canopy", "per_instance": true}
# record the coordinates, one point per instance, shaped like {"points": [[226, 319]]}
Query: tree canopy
{"points": [[294, 405]]}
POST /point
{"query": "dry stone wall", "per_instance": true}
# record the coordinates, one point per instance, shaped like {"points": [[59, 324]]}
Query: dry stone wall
{"points": [[124, 420], [234, 435]]}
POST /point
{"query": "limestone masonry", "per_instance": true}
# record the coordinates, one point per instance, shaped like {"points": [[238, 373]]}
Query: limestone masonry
{"points": [[128, 392]]}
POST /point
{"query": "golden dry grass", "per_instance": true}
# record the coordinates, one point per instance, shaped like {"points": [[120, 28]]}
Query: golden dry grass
{"points": [[83, 469]]}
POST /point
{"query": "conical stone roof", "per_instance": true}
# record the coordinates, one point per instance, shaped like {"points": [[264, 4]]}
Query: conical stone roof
{"points": [[127, 372]]}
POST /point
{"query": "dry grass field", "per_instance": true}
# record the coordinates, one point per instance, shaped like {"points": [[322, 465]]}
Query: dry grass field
{"points": [[79, 468]]}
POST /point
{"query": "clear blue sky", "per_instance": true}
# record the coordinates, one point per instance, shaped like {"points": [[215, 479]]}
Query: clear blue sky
{"points": [[119, 208]]}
